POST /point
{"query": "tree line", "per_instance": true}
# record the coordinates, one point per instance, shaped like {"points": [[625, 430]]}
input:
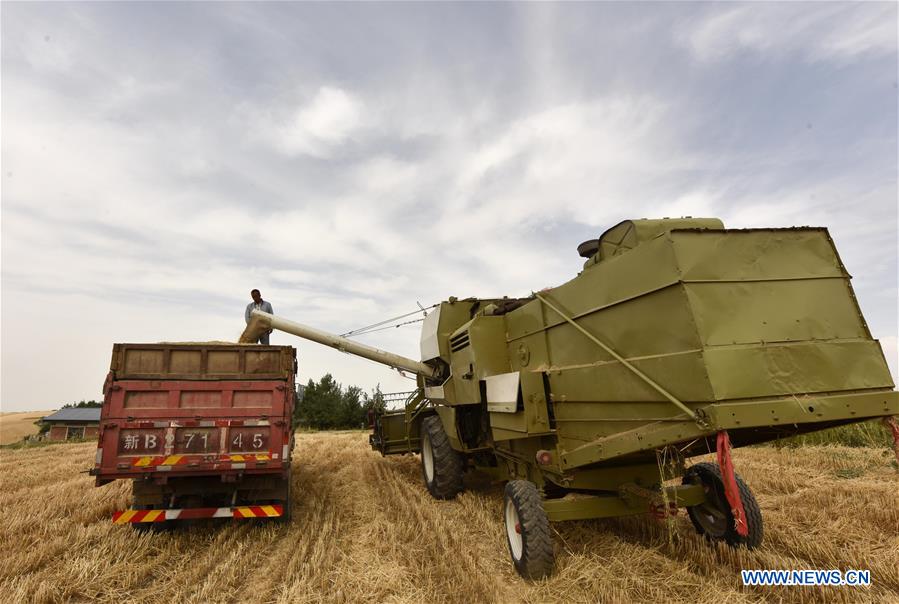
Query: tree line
{"points": [[326, 405], [323, 405], [83, 404]]}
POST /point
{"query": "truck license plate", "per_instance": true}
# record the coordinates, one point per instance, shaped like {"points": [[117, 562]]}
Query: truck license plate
{"points": [[144, 441], [197, 440], [248, 440]]}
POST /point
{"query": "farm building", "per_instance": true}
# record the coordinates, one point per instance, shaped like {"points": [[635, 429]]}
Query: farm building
{"points": [[67, 424]]}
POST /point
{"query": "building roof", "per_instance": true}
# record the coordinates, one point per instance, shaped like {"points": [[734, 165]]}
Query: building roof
{"points": [[80, 414]]}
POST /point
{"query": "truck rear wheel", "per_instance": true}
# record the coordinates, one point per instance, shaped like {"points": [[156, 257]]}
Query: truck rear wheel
{"points": [[142, 527], [148, 498], [441, 465], [714, 518], [527, 530], [286, 502]]}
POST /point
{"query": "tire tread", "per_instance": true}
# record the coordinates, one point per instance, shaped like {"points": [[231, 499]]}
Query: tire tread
{"points": [[449, 464], [538, 557], [706, 470]]}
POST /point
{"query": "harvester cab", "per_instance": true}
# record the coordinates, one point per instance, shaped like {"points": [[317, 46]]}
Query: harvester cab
{"points": [[678, 338]]}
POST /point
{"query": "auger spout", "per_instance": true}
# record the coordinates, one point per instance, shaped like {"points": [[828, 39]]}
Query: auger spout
{"points": [[263, 321]]}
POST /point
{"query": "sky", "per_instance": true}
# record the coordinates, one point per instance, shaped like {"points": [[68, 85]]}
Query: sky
{"points": [[159, 160]]}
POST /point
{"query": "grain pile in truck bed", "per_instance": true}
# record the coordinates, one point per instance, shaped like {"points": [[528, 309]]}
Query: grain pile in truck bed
{"points": [[208, 343]]}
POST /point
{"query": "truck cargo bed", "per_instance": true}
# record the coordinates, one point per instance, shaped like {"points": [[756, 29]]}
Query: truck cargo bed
{"points": [[199, 361], [206, 424]]}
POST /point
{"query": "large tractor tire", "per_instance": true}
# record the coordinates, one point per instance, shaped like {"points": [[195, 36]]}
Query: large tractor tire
{"points": [[441, 465], [527, 530], [714, 518]]}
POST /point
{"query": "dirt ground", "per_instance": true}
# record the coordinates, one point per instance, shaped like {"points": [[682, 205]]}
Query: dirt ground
{"points": [[365, 529], [14, 425]]}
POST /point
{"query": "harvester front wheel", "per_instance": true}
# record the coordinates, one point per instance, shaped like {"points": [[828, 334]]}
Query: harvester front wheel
{"points": [[441, 465], [527, 530], [714, 518]]}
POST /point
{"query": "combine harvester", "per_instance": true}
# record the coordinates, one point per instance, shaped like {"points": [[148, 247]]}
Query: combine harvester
{"points": [[678, 338], [201, 430]]}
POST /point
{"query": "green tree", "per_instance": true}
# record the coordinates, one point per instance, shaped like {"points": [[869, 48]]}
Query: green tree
{"points": [[326, 405], [83, 404], [350, 415], [321, 404]]}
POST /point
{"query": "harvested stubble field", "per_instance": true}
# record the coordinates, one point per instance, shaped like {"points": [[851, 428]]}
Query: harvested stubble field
{"points": [[364, 529]]}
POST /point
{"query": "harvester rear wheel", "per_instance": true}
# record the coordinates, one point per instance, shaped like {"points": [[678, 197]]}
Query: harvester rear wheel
{"points": [[527, 530], [714, 518], [441, 465]]}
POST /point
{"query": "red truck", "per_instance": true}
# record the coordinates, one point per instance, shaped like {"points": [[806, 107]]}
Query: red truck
{"points": [[201, 430]]}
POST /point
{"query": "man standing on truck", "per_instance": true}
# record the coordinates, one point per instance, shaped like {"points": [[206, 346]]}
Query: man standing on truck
{"points": [[259, 304]]}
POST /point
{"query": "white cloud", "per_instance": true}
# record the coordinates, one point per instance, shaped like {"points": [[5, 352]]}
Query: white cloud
{"points": [[386, 176], [587, 162], [836, 31], [322, 125], [139, 207]]}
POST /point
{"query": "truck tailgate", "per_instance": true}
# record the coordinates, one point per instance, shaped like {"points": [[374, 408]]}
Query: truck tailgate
{"points": [[192, 427]]}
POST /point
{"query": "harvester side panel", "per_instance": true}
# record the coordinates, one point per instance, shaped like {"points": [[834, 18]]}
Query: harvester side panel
{"points": [[740, 372], [756, 254], [710, 316], [634, 302], [780, 318], [478, 351], [650, 267]]}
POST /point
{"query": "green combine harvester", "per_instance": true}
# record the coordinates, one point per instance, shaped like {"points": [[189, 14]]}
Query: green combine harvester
{"points": [[678, 338]]}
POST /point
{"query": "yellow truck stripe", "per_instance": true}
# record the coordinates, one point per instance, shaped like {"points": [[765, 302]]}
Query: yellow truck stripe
{"points": [[237, 458], [171, 460], [143, 461], [153, 515], [125, 517], [269, 510]]}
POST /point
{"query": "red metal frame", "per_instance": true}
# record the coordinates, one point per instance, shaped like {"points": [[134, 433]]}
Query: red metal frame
{"points": [[163, 422], [118, 391]]}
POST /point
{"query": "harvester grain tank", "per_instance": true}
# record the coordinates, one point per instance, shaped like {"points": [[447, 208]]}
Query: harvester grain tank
{"points": [[678, 338]]}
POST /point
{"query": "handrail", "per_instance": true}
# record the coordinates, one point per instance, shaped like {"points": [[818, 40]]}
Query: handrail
{"points": [[412, 407]]}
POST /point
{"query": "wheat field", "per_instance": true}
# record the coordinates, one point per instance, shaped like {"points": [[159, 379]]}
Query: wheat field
{"points": [[365, 529], [16, 425]]}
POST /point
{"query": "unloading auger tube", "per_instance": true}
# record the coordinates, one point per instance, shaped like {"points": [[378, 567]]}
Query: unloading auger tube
{"points": [[344, 345]]}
